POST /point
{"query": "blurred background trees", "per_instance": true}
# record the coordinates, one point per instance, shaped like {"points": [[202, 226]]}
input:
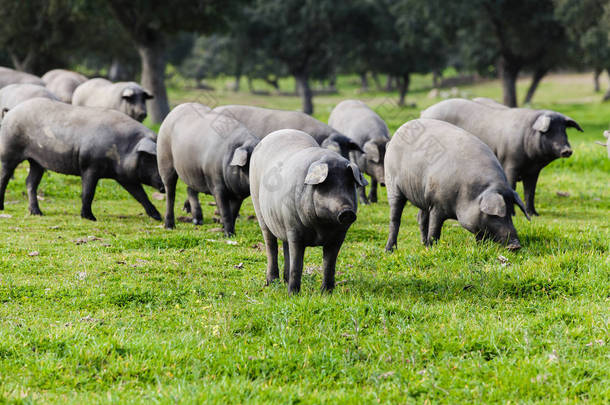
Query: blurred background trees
{"points": [[312, 41]]}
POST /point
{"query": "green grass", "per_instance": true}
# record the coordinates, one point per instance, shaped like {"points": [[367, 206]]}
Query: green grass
{"points": [[145, 315]]}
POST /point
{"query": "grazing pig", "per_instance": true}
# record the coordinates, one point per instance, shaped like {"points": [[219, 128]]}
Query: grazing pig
{"points": [[448, 174], [303, 195], [524, 140], [363, 126], [14, 94], [489, 102], [63, 83], [126, 97], [210, 152], [88, 142], [263, 121], [607, 144], [11, 76]]}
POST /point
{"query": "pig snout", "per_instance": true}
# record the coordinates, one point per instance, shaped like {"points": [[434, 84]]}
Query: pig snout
{"points": [[141, 116], [513, 244], [346, 217], [566, 152]]}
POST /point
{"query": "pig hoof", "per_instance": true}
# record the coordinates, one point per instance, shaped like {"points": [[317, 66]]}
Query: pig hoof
{"points": [[197, 221], [90, 217], [187, 207], [513, 246], [533, 213], [155, 215], [169, 225], [35, 212]]}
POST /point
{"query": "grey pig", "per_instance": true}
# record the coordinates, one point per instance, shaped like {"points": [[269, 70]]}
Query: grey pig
{"points": [[523, 140], [303, 195], [448, 174], [126, 97], [12, 76], [88, 142], [14, 94], [262, 121], [363, 126], [63, 83], [489, 102], [210, 153]]}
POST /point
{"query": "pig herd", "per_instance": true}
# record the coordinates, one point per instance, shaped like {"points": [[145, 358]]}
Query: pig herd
{"points": [[461, 160]]}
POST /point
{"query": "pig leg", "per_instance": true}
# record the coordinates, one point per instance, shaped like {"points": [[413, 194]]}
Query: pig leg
{"points": [[32, 182], [362, 194], [397, 204], [330, 252], [137, 191], [529, 189], [89, 182], [435, 223], [297, 251], [273, 271], [373, 191], [8, 168], [423, 218], [286, 261], [224, 206], [193, 206], [170, 182], [235, 207]]}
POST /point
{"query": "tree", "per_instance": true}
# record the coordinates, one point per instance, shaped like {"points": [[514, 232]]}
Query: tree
{"points": [[150, 24]]}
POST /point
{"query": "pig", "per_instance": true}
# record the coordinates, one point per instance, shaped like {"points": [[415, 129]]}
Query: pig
{"points": [[263, 121], [126, 97], [63, 83], [11, 76], [489, 102], [210, 152], [14, 94], [363, 126], [607, 144], [523, 140], [88, 142], [303, 195], [448, 174]]}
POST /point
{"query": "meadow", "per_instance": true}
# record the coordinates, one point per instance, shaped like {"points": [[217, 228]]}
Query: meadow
{"points": [[123, 311]]}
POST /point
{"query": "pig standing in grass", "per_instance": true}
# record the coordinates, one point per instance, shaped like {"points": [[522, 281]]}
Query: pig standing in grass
{"points": [[363, 126], [14, 94], [524, 140], [489, 102], [210, 152], [88, 142], [303, 195], [63, 83], [11, 76], [448, 174], [126, 97], [263, 121]]}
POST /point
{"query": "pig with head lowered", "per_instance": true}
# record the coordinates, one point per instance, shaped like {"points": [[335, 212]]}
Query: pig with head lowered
{"points": [[63, 83], [14, 94], [126, 97], [12, 76], [210, 152], [448, 174], [88, 142], [263, 121], [523, 140], [303, 195], [363, 126]]}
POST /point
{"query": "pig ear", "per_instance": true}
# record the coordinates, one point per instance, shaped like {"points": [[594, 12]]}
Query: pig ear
{"points": [[331, 145], [147, 145], [355, 146], [371, 151], [4, 112], [520, 204], [358, 175], [240, 157], [570, 123], [128, 93], [542, 124], [493, 204], [317, 173], [148, 95]]}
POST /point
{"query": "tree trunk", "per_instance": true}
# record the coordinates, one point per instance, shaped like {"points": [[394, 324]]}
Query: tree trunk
{"points": [[508, 74], [403, 88], [376, 80], [436, 79], [152, 57], [118, 71], [305, 91], [388, 83], [596, 74], [250, 84], [364, 82], [536, 79], [236, 83]]}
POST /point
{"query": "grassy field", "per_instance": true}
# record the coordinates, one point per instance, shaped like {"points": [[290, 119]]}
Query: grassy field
{"points": [[123, 311]]}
